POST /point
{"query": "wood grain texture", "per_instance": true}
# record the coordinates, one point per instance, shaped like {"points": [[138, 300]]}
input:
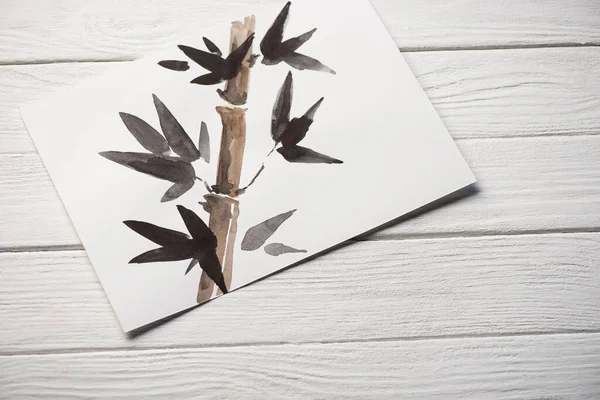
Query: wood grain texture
{"points": [[531, 367], [525, 185], [364, 291], [494, 93], [59, 30]]}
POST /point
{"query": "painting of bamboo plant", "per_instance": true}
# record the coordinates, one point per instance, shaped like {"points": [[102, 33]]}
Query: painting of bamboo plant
{"points": [[170, 154], [241, 150]]}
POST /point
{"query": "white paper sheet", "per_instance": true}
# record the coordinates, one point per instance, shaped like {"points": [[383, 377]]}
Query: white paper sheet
{"points": [[397, 155]]}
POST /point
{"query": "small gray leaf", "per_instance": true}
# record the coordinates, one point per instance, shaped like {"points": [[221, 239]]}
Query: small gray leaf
{"points": [[145, 134], [178, 139], [177, 190], [204, 143], [277, 249], [256, 236]]}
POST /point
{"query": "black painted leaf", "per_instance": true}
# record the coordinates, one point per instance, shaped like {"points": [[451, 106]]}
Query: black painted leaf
{"points": [[256, 236], [170, 253], [211, 62], [304, 155], [280, 116], [197, 228], [212, 47], [162, 167], [177, 190], [178, 139], [174, 65], [277, 249], [191, 265], [145, 134], [157, 234], [204, 143]]}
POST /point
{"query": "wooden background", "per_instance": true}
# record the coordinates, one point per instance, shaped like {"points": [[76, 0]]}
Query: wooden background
{"points": [[493, 296]]}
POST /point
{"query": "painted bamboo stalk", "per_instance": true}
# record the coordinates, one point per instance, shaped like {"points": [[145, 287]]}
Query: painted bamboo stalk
{"points": [[224, 208]]}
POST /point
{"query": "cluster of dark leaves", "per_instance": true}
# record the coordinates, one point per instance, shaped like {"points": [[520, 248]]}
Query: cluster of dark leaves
{"points": [[274, 51], [200, 248], [158, 162]]}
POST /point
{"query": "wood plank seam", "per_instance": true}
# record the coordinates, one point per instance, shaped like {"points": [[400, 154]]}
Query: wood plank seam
{"points": [[94, 350]]}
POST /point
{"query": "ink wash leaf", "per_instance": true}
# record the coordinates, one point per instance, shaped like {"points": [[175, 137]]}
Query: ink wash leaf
{"points": [[176, 252], [159, 235], [277, 249], [304, 155], [174, 65], [145, 134], [167, 168], [177, 190], [204, 143], [212, 47], [176, 136], [280, 117], [257, 235]]}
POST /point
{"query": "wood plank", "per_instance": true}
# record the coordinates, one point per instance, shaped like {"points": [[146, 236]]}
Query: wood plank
{"points": [[525, 185], [478, 93], [59, 30], [367, 290], [532, 367]]}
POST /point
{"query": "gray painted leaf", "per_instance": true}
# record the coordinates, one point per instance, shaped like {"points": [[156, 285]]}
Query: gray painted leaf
{"points": [[167, 168], [280, 116], [277, 249], [177, 190], [174, 65], [301, 62], [256, 236], [178, 139], [145, 134], [204, 143]]}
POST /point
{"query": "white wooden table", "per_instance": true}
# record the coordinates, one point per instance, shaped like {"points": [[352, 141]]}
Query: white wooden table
{"points": [[493, 296]]}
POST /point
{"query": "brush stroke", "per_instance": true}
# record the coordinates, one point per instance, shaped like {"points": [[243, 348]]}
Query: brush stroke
{"points": [[220, 69], [177, 246], [277, 249], [204, 143], [213, 48], [178, 139], [174, 65], [276, 50], [145, 134], [257, 235]]}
